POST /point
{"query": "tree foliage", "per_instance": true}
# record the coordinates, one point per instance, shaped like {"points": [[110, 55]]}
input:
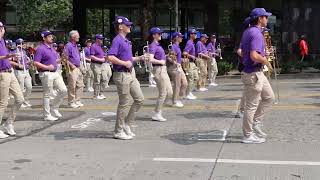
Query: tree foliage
{"points": [[35, 15]]}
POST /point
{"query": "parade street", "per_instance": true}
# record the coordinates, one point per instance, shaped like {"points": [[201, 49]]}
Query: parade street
{"points": [[201, 141]]}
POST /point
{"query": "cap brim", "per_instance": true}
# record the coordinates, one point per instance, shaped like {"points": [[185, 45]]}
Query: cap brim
{"points": [[128, 23]]}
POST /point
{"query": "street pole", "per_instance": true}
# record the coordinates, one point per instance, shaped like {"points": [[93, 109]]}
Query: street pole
{"points": [[177, 15]]}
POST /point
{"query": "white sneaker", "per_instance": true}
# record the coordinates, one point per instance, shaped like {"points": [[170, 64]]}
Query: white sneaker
{"points": [[56, 113], [213, 84], [27, 103], [122, 135], [128, 131], [190, 96], [90, 89], [9, 128], [178, 104], [203, 89], [51, 98], [73, 105], [50, 118], [23, 105], [253, 139], [257, 128], [79, 103], [152, 85], [3, 135], [158, 117], [102, 96]]}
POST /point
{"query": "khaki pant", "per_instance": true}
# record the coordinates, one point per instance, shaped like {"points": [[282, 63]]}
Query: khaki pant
{"points": [[192, 77], [106, 74], [52, 80], [9, 85], [75, 85], [212, 70], [128, 88], [203, 73], [25, 82], [258, 96], [100, 77], [180, 82], [88, 76], [163, 84]]}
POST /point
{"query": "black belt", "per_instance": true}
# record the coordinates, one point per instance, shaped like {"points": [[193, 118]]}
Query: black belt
{"points": [[47, 71], [97, 62], [88, 61], [6, 70], [19, 69], [158, 65], [122, 70]]}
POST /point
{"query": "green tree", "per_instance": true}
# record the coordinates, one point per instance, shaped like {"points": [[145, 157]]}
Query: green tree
{"points": [[35, 15]]}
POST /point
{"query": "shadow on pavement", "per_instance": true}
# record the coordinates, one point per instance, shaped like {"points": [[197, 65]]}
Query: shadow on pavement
{"points": [[78, 134], [201, 115]]}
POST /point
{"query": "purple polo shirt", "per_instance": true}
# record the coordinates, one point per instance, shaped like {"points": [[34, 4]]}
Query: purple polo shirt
{"points": [[190, 48], [201, 48], [4, 63], [24, 58], [87, 52], [72, 51], [158, 52], [252, 40], [122, 49], [177, 50], [46, 55], [97, 51], [211, 47]]}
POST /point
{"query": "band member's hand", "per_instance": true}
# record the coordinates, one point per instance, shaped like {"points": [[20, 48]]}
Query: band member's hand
{"points": [[50, 67], [269, 66], [127, 64], [20, 66], [11, 55]]}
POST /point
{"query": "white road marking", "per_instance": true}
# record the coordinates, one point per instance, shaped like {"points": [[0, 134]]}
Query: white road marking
{"points": [[86, 123], [236, 161], [109, 114]]}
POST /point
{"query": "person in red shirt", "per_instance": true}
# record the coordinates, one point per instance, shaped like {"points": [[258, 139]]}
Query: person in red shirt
{"points": [[303, 46]]}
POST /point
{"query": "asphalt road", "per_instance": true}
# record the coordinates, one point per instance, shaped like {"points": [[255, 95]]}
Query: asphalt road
{"points": [[198, 142]]}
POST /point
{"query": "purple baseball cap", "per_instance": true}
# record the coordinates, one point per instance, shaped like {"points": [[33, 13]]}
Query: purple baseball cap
{"points": [[155, 30], [176, 34], [46, 33], [258, 12], [19, 41], [192, 31], [99, 36], [122, 20], [205, 36], [8, 41]]}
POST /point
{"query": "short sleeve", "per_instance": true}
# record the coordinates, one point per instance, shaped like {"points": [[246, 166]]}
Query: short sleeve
{"points": [[257, 43], [38, 56], [93, 51], [188, 48], [152, 49], [114, 49]]}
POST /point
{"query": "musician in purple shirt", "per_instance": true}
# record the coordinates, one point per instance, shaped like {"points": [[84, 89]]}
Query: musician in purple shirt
{"points": [[97, 59], [45, 60], [158, 60], [21, 70], [202, 62], [192, 71], [75, 76], [88, 78], [176, 72], [8, 84], [212, 63], [120, 55], [257, 90]]}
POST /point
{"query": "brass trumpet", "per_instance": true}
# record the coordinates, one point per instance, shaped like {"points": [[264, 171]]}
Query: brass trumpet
{"points": [[138, 62]]}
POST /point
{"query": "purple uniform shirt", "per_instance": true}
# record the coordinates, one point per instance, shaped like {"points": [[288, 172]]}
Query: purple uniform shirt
{"points": [[211, 47], [97, 51], [23, 59], [87, 52], [177, 50], [190, 48], [158, 52], [122, 49], [72, 51], [252, 40], [4, 63], [201, 48], [46, 55]]}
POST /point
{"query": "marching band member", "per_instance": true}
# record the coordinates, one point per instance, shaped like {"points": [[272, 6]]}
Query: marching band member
{"points": [[257, 90], [158, 60], [106, 71], [97, 60], [45, 60], [212, 64], [120, 55], [21, 70], [8, 84], [88, 79], [75, 76], [202, 59], [190, 53], [179, 78]]}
